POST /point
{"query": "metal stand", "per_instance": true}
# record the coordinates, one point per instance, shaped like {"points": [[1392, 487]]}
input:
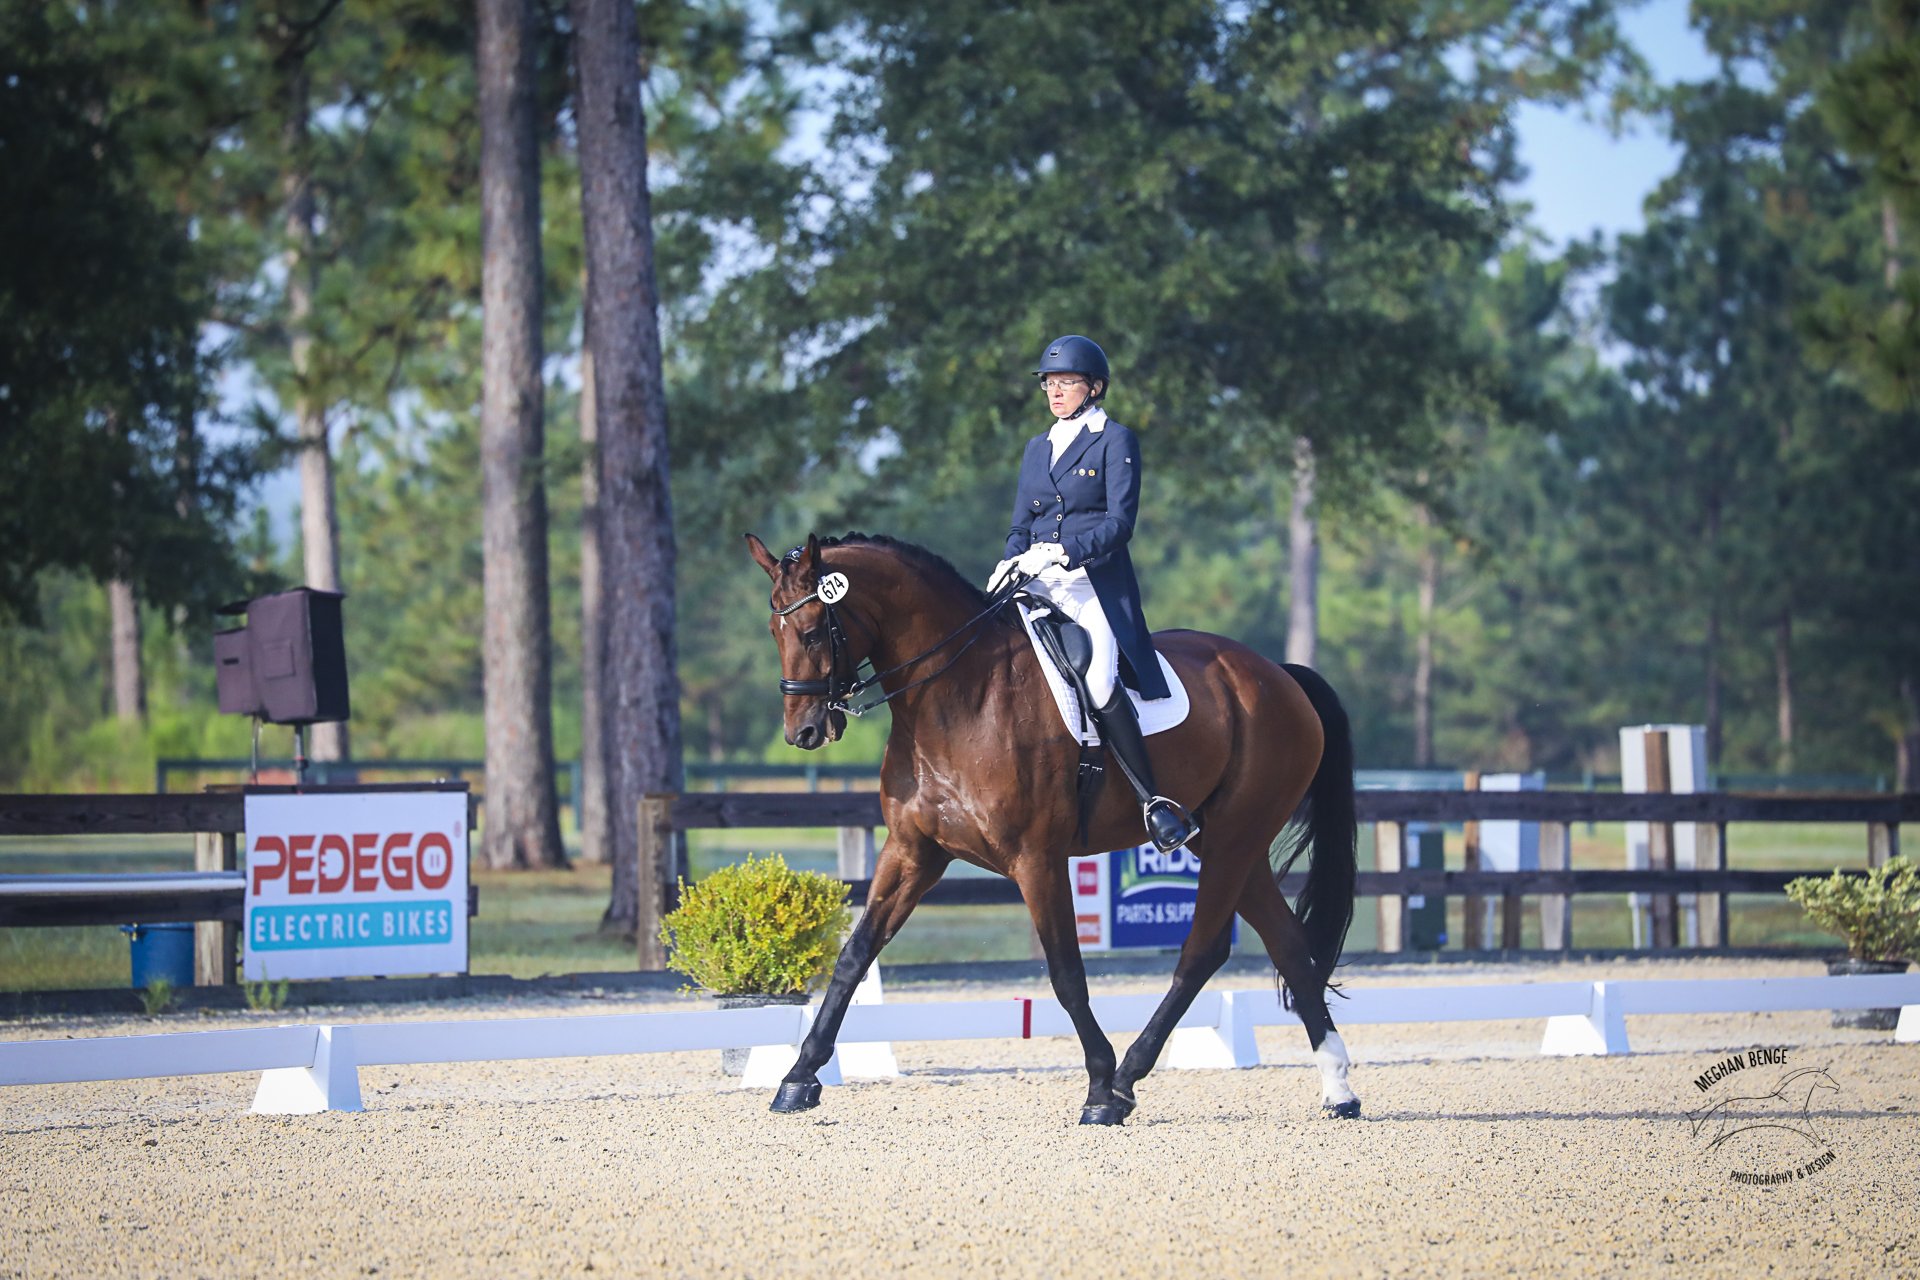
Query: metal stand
{"points": [[299, 755], [254, 774]]}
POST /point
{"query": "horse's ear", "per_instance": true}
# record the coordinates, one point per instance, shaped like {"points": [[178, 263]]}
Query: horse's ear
{"points": [[763, 557], [813, 554]]}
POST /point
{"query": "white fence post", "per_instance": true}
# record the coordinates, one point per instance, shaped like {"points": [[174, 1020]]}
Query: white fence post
{"points": [[1228, 1043], [868, 1059], [768, 1064], [1601, 1031], [332, 1083]]}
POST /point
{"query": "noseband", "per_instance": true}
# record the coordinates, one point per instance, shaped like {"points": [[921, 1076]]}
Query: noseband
{"points": [[840, 688], [834, 687]]}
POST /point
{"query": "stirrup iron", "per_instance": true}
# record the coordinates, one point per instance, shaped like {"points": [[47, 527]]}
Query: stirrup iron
{"points": [[1174, 827]]}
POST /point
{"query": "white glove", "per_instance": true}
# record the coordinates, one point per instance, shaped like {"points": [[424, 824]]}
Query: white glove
{"points": [[1039, 556], [999, 573]]}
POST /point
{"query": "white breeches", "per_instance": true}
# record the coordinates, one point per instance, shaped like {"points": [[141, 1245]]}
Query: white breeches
{"points": [[1074, 594]]}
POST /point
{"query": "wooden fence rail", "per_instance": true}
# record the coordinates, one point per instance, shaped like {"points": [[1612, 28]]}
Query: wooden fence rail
{"points": [[1555, 884], [862, 808], [216, 818]]}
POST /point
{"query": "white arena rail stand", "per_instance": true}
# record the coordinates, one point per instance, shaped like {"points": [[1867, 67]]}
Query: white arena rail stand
{"points": [[1603, 1028], [316, 1068]]}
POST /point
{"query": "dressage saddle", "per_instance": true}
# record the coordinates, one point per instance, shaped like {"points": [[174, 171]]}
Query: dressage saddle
{"points": [[1070, 648]]}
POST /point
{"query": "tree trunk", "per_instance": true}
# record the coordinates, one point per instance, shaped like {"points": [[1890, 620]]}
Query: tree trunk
{"points": [[1890, 237], [129, 688], [716, 731], [522, 813], [1423, 654], [595, 835], [1712, 676], [1712, 655], [640, 683], [319, 527], [1783, 688], [1303, 561], [1907, 750]]}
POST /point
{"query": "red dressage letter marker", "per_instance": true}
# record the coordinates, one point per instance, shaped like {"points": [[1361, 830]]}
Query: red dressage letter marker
{"points": [[435, 860], [264, 870], [335, 863], [398, 860], [366, 863], [299, 864]]}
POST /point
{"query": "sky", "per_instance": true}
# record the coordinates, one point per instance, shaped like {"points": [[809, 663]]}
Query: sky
{"points": [[1582, 178]]}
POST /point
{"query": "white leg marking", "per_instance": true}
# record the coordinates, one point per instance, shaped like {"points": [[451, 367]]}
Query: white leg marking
{"points": [[1332, 1057]]}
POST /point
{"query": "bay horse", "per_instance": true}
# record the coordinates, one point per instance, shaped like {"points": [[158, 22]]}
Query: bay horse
{"points": [[979, 767]]}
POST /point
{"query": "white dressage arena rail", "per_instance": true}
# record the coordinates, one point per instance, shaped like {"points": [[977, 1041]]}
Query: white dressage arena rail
{"points": [[316, 1067]]}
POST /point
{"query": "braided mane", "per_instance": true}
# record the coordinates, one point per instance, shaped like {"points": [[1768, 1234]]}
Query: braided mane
{"points": [[935, 567]]}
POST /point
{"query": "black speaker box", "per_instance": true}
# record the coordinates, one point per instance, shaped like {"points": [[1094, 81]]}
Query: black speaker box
{"points": [[299, 656], [233, 673]]}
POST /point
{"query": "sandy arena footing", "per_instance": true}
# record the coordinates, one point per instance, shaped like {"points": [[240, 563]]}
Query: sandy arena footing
{"points": [[1475, 1157]]}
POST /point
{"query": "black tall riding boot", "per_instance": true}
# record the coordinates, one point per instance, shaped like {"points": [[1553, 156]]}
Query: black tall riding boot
{"points": [[1168, 824]]}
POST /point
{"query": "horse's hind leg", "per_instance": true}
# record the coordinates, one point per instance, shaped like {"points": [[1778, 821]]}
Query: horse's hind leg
{"points": [[1209, 941], [1265, 908]]}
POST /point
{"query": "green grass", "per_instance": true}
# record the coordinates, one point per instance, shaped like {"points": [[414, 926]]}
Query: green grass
{"points": [[534, 923]]}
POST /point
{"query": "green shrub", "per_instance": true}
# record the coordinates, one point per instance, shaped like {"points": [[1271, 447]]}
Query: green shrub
{"points": [[1878, 914], [157, 997], [757, 928], [266, 995]]}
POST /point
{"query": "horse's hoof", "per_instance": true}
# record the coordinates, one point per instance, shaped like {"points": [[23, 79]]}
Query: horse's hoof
{"points": [[796, 1097], [1110, 1113], [1125, 1103], [1348, 1110]]}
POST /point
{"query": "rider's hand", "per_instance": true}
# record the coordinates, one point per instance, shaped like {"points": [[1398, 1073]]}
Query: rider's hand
{"points": [[1039, 556], [999, 574]]}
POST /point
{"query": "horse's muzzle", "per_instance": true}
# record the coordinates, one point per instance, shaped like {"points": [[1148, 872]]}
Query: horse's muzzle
{"points": [[819, 732]]}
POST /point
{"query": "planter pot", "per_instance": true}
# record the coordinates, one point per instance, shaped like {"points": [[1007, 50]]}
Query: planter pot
{"points": [[734, 1061], [1865, 1019]]}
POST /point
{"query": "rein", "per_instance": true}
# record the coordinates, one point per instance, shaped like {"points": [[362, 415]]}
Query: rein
{"points": [[840, 690]]}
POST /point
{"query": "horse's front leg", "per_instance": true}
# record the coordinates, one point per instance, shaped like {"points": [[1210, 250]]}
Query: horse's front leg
{"points": [[1051, 905], [905, 870]]}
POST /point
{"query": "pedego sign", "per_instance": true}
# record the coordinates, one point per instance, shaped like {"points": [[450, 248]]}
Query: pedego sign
{"points": [[355, 884]]}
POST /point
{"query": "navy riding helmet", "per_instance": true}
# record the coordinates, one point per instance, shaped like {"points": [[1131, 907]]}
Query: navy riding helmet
{"points": [[1075, 354]]}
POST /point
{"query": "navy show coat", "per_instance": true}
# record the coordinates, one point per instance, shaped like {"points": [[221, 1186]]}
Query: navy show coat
{"points": [[1087, 502]]}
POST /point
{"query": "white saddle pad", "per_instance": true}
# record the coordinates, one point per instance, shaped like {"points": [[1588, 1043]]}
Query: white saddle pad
{"points": [[1156, 716]]}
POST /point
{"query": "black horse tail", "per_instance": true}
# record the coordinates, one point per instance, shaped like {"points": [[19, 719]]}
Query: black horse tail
{"points": [[1325, 823]]}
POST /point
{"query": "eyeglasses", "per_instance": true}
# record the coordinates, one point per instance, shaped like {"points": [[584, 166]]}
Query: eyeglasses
{"points": [[1061, 384]]}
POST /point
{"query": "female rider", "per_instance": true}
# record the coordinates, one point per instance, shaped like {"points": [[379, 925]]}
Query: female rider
{"points": [[1073, 512]]}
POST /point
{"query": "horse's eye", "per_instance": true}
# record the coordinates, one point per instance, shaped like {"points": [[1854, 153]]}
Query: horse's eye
{"points": [[811, 639]]}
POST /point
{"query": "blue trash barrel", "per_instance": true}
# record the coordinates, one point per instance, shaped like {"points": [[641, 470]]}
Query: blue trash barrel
{"points": [[161, 951]]}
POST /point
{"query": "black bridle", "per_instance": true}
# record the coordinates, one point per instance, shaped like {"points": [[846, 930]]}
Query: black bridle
{"points": [[843, 682]]}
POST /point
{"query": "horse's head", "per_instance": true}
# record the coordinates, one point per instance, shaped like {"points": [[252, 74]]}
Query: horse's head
{"points": [[818, 664]]}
